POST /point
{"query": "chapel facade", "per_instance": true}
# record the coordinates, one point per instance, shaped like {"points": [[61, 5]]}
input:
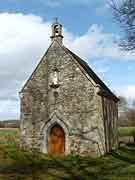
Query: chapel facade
{"points": [[65, 107]]}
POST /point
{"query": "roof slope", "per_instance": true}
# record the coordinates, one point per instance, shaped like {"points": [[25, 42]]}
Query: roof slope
{"points": [[91, 73]]}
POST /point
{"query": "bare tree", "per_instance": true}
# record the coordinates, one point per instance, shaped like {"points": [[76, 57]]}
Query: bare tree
{"points": [[123, 107], [124, 13], [131, 117], [122, 104]]}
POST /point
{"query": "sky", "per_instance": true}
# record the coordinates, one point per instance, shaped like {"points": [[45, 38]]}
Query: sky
{"points": [[89, 30]]}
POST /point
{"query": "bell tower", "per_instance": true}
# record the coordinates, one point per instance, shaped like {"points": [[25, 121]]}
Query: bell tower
{"points": [[57, 31]]}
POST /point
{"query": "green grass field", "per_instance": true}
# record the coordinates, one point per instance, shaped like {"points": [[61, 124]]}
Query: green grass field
{"points": [[16, 164], [9, 136], [126, 131]]}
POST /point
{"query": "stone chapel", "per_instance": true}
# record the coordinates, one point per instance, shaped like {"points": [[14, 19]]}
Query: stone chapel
{"points": [[65, 106]]}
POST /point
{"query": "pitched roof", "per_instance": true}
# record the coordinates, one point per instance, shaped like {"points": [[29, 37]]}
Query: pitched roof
{"points": [[105, 90]]}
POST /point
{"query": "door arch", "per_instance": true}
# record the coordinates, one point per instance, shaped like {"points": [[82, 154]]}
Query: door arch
{"points": [[56, 140]]}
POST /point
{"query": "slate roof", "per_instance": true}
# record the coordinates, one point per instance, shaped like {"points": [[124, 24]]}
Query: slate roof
{"points": [[105, 90]]}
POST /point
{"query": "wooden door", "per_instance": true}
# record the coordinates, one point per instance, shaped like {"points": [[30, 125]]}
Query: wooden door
{"points": [[56, 141]]}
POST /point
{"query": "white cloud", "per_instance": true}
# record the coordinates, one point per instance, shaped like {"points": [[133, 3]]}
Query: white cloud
{"points": [[103, 69], [9, 109], [127, 91], [96, 43], [24, 39]]}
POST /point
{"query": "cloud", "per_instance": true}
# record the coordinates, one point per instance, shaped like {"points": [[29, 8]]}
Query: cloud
{"points": [[9, 109], [127, 91], [25, 38], [96, 43]]}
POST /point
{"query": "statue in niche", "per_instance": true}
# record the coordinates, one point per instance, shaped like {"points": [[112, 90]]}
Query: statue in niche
{"points": [[55, 78], [54, 83]]}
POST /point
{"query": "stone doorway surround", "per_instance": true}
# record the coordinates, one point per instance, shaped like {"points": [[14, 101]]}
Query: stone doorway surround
{"points": [[53, 120]]}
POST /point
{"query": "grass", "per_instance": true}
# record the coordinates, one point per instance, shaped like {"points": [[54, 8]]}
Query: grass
{"points": [[9, 136], [16, 164], [126, 131]]}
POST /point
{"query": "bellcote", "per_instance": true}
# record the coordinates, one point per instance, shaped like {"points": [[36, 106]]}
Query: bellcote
{"points": [[57, 31]]}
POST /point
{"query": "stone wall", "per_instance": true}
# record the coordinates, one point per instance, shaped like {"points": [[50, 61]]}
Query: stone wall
{"points": [[74, 105]]}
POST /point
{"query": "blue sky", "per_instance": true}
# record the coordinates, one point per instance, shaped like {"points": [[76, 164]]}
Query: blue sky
{"points": [[89, 30], [76, 15]]}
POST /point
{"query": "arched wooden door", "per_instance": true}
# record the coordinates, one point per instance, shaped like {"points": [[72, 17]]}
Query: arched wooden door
{"points": [[56, 140]]}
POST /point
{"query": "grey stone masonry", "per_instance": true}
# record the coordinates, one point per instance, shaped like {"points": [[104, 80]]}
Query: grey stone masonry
{"points": [[61, 91]]}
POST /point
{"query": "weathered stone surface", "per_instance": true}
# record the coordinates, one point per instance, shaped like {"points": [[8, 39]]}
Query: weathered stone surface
{"points": [[88, 122]]}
